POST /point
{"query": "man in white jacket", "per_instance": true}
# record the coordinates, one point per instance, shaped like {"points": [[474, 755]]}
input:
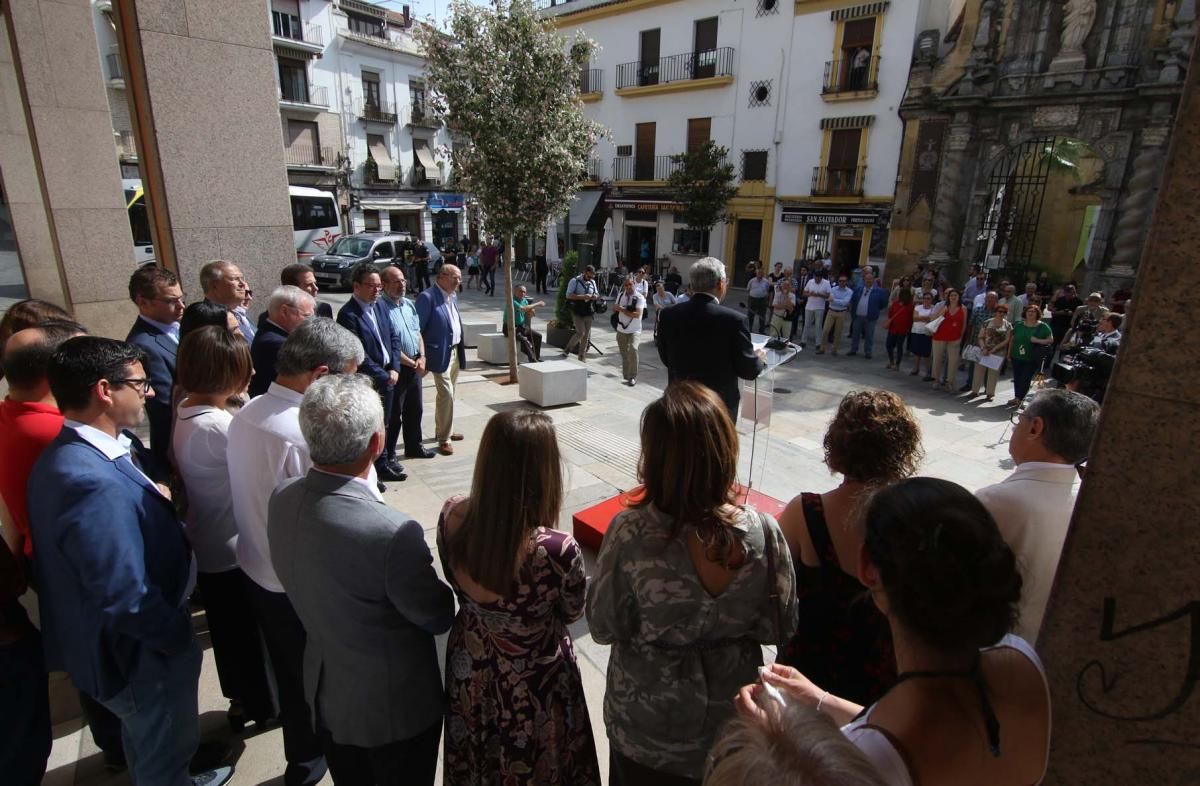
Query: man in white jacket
{"points": [[1033, 505]]}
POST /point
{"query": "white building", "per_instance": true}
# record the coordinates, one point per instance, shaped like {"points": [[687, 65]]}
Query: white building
{"points": [[803, 93], [352, 105]]}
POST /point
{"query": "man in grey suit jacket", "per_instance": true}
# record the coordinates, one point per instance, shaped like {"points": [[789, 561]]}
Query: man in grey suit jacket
{"points": [[360, 576]]}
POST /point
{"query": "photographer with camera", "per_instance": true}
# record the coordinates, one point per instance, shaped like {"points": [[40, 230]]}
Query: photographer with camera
{"points": [[582, 295], [1086, 368], [1085, 322]]}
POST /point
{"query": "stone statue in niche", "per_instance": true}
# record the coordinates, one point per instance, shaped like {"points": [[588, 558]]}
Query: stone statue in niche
{"points": [[1078, 18]]}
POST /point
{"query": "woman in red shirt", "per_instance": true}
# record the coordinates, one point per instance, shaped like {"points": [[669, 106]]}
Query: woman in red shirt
{"points": [[946, 340], [899, 323]]}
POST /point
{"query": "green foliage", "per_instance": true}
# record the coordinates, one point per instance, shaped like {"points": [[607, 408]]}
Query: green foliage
{"points": [[570, 269], [511, 83], [703, 183]]}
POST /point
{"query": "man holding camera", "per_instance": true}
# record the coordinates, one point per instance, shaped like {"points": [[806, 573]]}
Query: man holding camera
{"points": [[582, 294]]}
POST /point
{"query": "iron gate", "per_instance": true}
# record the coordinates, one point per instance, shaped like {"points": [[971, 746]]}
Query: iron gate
{"points": [[1016, 188]]}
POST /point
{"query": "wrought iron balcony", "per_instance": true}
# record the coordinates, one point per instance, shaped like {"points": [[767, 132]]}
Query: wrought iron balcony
{"points": [[309, 156], [126, 146], [643, 168], [290, 27], [850, 75], [703, 64], [591, 171], [591, 80], [112, 66], [838, 181], [294, 92], [376, 112], [419, 115]]}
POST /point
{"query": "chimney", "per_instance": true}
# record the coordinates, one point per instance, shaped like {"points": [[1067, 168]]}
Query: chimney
{"points": [[407, 16]]}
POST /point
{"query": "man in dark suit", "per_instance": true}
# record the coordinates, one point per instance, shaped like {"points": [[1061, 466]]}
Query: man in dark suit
{"points": [[442, 331], [301, 275], [287, 308], [366, 317], [113, 565], [361, 579], [159, 299], [707, 342]]}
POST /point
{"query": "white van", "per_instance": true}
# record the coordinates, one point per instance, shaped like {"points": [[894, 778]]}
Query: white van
{"points": [[315, 224]]}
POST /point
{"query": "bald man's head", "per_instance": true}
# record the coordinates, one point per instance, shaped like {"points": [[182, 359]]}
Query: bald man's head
{"points": [[27, 353]]}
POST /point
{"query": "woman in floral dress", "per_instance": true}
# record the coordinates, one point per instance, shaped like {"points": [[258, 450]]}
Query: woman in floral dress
{"points": [[516, 711]]}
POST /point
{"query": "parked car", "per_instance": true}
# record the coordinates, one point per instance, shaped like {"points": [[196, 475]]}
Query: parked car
{"points": [[333, 268]]}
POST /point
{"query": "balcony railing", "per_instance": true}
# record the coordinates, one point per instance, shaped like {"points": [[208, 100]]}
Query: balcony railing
{"points": [[591, 81], [851, 75], [703, 64], [419, 115], [643, 167], [377, 112], [838, 181], [290, 27], [303, 94], [306, 155], [126, 146], [591, 171], [112, 64]]}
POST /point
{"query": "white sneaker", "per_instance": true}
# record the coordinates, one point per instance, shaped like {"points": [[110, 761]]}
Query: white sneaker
{"points": [[218, 776]]}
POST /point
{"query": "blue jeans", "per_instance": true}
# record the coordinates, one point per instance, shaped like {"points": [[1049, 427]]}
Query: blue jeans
{"points": [[862, 328], [160, 721]]}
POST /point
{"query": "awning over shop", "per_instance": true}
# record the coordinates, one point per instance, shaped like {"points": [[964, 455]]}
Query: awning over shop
{"points": [[425, 159], [582, 208], [383, 161]]}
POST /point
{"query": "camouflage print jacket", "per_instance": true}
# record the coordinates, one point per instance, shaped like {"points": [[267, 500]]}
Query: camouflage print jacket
{"points": [[679, 654]]}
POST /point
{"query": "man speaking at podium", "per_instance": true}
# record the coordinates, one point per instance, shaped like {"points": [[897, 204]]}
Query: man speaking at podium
{"points": [[707, 342]]}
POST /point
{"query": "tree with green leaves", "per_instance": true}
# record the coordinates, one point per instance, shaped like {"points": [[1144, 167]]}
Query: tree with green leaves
{"points": [[510, 83], [703, 182]]}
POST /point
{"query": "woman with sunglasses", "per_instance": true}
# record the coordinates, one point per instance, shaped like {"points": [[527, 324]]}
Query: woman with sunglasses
{"points": [[994, 338]]}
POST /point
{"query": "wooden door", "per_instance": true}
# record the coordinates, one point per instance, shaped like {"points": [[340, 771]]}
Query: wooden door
{"points": [[858, 35], [843, 160], [699, 131], [643, 156], [704, 48], [648, 71]]}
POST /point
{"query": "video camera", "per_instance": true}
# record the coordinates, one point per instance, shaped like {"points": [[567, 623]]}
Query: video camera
{"points": [[1086, 370]]}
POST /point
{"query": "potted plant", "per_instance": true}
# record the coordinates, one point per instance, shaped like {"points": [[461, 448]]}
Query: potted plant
{"points": [[560, 329]]}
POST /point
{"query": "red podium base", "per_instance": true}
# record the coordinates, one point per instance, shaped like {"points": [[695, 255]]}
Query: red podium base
{"points": [[590, 524]]}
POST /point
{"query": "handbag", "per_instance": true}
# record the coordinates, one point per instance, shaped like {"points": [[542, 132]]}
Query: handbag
{"points": [[971, 354], [932, 325]]}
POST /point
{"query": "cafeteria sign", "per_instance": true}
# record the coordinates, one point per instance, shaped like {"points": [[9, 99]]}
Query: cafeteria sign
{"points": [[616, 204], [842, 218], [439, 202]]}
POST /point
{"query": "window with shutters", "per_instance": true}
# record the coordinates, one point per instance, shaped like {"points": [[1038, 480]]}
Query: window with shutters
{"points": [[370, 87], [699, 131]]}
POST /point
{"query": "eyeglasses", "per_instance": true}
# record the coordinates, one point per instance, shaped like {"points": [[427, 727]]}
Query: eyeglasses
{"points": [[171, 301], [133, 382]]}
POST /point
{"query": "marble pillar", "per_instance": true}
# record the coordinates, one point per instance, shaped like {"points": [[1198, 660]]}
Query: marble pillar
{"points": [[1121, 639]]}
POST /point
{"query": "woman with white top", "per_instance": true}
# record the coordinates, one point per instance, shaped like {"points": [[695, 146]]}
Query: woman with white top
{"points": [[661, 299], [628, 310], [970, 703], [920, 342], [214, 365]]}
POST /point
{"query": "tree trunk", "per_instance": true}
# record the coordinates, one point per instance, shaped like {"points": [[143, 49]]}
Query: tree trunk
{"points": [[508, 309]]}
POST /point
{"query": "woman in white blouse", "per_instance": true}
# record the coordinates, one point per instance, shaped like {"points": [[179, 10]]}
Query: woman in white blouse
{"points": [[213, 366], [970, 703], [661, 299]]}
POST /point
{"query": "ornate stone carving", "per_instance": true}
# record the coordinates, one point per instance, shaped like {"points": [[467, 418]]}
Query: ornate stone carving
{"points": [[1078, 18], [1056, 116], [1133, 214]]}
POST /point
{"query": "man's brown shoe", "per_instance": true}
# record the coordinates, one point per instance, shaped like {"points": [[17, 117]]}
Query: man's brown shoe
{"points": [[445, 448]]}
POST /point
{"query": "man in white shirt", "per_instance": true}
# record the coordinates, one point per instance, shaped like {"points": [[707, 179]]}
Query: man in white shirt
{"points": [[1033, 505], [758, 291], [266, 448], [1030, 294], [628, 308], [818, 292]]}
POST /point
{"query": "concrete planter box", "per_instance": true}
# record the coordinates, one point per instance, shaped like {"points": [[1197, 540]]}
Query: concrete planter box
{"points": [[474, 328], [558, 337], [493, 348], [553, 382]]}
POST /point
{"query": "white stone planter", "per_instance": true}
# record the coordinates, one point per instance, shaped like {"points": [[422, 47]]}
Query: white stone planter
{"points": [[493, 348], [553, 382], [475, 328]]}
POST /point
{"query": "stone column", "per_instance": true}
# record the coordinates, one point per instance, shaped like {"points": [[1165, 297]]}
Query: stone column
{"points": [[202, 83], [1121, 639], [950, 208], [1138, 198], [59, 164]]}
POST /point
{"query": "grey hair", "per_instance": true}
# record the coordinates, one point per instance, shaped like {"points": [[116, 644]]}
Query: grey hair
{"points": [[288, 295], [213, 271], [1070, 422], [797, 747], [318, 342], [706, 274], [338, 416]]}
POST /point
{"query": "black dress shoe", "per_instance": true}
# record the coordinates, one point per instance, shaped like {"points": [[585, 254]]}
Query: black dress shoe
{"points": [[379, 485], [389, 473], [419, 453], [396, 466]]}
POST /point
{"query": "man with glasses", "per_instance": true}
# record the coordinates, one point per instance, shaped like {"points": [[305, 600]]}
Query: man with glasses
{"points": [[441, 328], [222, 282], [113, 564], [288, 307], [159, 299]]}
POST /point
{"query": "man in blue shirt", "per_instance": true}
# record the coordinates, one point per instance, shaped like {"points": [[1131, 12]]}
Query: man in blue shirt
{"points": [[868, 301], [835, 320], [407, 407]]}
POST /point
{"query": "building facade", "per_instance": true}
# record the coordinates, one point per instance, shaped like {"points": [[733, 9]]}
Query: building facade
{"points": [[803, 94], [1037, 142]]}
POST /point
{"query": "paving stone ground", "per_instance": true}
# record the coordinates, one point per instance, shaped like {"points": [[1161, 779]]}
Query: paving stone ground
{"points": [[964, 442]]}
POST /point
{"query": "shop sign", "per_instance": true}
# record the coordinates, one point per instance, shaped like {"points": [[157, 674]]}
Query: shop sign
{"points": [[615, 204], [438, 202], [836, 218]]}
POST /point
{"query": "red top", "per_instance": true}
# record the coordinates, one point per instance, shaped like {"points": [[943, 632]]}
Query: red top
{"points": [[25, 430], [900, 318], [952, 326]]}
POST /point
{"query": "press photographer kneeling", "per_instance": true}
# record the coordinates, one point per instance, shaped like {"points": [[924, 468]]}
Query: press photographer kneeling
{"points": [[1086, 365]]}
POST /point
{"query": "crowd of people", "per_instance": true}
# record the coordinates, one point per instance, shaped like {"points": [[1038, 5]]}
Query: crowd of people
{"points": [[901, 607]]}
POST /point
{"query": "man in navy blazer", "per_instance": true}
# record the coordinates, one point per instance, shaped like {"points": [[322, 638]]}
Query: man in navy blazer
{"points": [[159, 300], [287, 308], [113, 565], [864, 311], [441, 328], [366, 317]]}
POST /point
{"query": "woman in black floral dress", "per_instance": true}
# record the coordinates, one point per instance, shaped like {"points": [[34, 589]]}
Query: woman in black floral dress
{"points": [[516, 711]]}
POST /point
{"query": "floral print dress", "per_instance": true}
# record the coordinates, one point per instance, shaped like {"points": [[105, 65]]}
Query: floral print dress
{"points": [[516, 712]]}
